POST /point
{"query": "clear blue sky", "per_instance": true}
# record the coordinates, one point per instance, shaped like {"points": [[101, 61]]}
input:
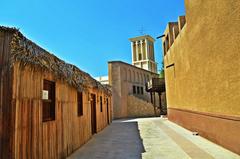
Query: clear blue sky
{"points": [[88, 33]]}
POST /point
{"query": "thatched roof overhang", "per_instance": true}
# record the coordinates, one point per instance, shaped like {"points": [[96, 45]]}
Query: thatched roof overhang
{"points": [[27, 52]]}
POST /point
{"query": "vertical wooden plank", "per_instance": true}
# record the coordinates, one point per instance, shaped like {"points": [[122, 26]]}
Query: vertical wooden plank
{"points": [[24, 128], [40, 139], [45, 153], [59, 131], [8, 107], [55, 139], [35, 130], [1, 89]]}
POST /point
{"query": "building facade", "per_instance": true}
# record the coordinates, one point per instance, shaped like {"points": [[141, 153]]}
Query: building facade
{"points": [[202, 70], [103, 80], [129, 95], [143, 53], [48, 108]]}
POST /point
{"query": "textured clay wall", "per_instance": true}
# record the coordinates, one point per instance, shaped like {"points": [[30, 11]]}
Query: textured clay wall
{"points": [[140, 108], [206, 57], [202, 70]]}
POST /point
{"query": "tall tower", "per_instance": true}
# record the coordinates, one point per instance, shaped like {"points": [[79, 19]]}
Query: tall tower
{"points": [[143, 53]]}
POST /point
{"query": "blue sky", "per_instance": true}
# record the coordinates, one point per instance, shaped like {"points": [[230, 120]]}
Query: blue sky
{"points": [[91, 32]]}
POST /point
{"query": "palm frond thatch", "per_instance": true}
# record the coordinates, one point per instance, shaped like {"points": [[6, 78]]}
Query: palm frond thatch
{"points": [[27, 52]]}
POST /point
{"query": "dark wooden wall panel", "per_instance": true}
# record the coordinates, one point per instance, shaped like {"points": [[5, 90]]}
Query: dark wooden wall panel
{"points": [[1, 89], [7, 105]]}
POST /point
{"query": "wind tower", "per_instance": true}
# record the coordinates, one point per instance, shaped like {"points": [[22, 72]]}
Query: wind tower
{"points": [[143, 53]]}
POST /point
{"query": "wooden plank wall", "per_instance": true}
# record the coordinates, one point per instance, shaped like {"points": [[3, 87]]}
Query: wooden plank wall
{"points": [[101, 116], [7, 108], [53, 139]]}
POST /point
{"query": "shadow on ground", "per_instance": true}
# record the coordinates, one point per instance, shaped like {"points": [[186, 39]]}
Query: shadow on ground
{"points": [[120, 140]]}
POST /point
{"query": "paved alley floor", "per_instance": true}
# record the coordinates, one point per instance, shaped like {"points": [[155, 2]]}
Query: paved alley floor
{"points": [[149, 138]]}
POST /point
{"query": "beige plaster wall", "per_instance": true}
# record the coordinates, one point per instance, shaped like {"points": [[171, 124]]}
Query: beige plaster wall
{"points": [[206, 57], [122, 77]]}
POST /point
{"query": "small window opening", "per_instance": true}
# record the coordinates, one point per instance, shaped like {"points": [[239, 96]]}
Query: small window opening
{"points": [[48, 101], [140, 56], [134, 89], [101, 103], [138, 90], [80, 103]]}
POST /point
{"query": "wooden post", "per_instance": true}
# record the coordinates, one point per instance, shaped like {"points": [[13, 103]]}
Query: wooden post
{"points": [[160, 103], [154, 99], [151, 97], [154, 104]]}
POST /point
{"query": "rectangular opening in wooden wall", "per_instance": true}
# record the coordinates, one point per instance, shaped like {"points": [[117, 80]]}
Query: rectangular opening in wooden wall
{"points": [[48, 101], [107, 112], [101, 103], [93, 114], [80, 103]]}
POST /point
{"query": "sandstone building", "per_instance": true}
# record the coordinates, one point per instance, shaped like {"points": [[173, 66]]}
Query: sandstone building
{"points": [[130, 98], [128, 82], [102, 79], [202, 70]]}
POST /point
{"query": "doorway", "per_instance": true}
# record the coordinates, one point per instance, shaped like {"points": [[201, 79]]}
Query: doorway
{"points": [[107, 112], [93, 114]]}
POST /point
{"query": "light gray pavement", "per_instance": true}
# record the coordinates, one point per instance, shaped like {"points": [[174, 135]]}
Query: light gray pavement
{"points": [[149, 138]]}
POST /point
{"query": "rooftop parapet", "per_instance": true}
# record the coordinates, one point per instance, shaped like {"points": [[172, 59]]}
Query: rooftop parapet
{"points": [[181, 22], [171, 33]]}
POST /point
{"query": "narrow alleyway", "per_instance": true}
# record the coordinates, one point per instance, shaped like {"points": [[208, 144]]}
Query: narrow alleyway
{"points": [[149, 138]]}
